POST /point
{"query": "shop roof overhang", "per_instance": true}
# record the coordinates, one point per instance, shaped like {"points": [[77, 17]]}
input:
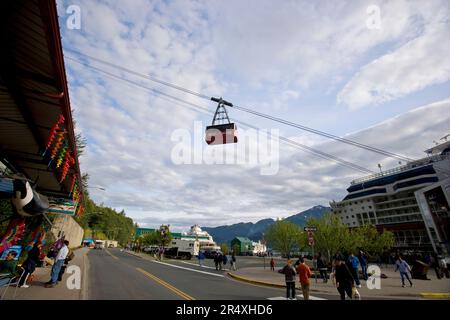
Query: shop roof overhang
{"points": [[33, 91]]}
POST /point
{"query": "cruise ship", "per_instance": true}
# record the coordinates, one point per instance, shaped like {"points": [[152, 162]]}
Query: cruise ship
{"points": [[411, 200]]}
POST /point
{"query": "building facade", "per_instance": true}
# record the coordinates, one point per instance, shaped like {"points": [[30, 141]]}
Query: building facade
{"points": [[394, 200], [242, 244]]}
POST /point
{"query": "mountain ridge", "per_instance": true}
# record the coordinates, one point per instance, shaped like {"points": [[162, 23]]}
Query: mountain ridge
{"points": [[254, 231]]}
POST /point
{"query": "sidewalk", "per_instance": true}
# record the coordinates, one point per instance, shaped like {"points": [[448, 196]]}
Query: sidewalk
{"points": [[37, 291], [390, 287]]}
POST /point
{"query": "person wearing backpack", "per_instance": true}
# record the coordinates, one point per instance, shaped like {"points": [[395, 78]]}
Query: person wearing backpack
{"points": [[233, 262], [70, 257], [224, 260], [354, 265], [59, 262], [289, 275], [343, 279]]}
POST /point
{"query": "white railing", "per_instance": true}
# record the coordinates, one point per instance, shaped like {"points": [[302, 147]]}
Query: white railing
{"points": [[409, 166]]}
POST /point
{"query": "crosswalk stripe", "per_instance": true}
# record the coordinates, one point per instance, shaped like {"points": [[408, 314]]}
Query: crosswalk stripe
{"points": [[196, 265], [298, 296], [189, 269]]}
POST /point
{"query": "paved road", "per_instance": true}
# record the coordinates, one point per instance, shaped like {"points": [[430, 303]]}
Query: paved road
{"points": [[114, 274]]}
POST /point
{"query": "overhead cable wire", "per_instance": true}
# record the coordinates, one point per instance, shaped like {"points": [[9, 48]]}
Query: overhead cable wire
{"points": [[303, 147], [146, 76], [260, 114]]}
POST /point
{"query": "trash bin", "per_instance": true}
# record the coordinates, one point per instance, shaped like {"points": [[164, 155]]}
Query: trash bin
{"points": [[420, 270]]}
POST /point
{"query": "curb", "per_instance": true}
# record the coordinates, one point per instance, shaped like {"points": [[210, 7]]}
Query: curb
{"points": [[85, 290], [435, 295], [274, 285], [267, 284]]}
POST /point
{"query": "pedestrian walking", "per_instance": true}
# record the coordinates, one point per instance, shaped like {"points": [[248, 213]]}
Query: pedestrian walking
{"points": [[216, 260], [220, 260], [224, 260], [304, 273], [289, 275], [59, 262], [354, 265], [403, 267], [29, 265], [363, 261], [233, 262], [322, 266], [69, 258], [343, 279], [201, 257], [272, 264], [434, 263], [443, 266]]}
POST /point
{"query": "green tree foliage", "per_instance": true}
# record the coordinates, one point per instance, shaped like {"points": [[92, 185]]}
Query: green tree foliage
{"points": [[285, 237], [105, 222], [224, 248], [150, 239], [333, 236]]}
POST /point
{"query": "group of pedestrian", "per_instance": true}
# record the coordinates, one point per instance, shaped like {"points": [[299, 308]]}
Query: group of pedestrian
{"points": [[290, 271], [61, 257], [61, 260], [221, 260], [439, 264]]}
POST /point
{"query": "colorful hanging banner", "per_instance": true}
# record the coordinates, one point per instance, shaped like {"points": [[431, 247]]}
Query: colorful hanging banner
{"points": [[62, 206], [14, 232], [53, 131], [36, 236]]}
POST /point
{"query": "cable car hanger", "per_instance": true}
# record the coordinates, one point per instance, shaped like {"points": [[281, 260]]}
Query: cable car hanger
{"points": [[221, 130]]}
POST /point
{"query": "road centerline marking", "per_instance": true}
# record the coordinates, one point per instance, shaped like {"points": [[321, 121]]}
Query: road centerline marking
{"points": [[167, 285], [189, 269], [107, 251]]}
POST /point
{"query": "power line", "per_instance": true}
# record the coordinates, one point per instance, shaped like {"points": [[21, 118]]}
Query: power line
{"points": [[324, 134], [148, 77], [260, 114], [305, 148]]}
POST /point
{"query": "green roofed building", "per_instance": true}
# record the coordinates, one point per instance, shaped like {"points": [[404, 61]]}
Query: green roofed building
{"points": [[244, 245]]}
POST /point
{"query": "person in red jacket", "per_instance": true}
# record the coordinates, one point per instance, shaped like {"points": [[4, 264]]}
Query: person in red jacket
{"points": [[304, 273]]}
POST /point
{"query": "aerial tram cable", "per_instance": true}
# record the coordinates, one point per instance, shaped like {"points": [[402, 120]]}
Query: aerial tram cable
{"points": [[198, 108], [289, 123], [145, 76]]}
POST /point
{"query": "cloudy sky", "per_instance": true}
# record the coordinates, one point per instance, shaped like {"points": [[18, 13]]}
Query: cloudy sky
{"points": [[329, 65]]}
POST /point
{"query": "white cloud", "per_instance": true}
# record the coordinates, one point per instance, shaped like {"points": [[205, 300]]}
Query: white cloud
{"points": [[422, 62], [211, 47]]}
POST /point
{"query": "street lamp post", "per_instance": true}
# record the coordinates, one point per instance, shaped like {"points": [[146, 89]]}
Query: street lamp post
{"points": [[264, 255]]}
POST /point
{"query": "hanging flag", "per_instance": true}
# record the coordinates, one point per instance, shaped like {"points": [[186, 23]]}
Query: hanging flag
{"points": [[66, 166], [55, 127], [62, 153], [57, 146], [36, 236]]}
